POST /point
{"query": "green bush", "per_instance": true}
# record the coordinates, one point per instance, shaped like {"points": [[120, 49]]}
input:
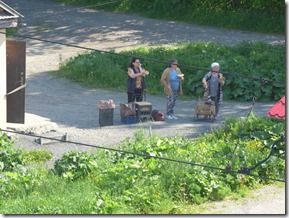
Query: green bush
{"points": [[10, 158], [75, 165], [243, 66], [20, 182], [109, 182], [142, 182]]}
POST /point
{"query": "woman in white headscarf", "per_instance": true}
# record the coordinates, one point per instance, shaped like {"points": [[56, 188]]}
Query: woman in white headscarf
{"points": [[213, 82]]}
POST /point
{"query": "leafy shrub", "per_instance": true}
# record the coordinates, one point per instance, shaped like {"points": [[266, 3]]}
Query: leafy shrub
{"points": [[110, 182], [20, 182], [141, 182], [75, 165], [243, 66], [10, 158]]}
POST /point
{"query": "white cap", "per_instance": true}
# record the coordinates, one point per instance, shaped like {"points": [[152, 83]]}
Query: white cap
{"points": [[214, 64]]}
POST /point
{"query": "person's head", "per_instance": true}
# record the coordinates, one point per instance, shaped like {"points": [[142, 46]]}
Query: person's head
{"points": [[215, 67], [173, 63], [135, 62]]}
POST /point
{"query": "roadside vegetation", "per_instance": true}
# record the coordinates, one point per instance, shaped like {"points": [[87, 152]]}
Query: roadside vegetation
{"points": [[110, 182], [243, 65], [251, 15], [249, 68]]}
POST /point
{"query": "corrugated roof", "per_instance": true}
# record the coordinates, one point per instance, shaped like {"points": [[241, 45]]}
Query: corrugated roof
{"points": [[7, 12], [5, 16], [278, 110]]}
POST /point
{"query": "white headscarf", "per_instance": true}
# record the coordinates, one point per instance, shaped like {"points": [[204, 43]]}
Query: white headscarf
{"points": [[214, 64]]}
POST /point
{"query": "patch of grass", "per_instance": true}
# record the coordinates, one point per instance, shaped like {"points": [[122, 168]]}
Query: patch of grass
{"points": [[37, 156], [54, 196]]}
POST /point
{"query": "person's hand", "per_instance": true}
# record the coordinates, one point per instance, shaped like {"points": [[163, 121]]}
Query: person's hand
{"points": [[169, 88], [222, 80], [181, 76]]}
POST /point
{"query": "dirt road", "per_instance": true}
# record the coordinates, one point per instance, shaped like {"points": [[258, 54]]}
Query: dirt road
{"points": [[69, 108], [104, 31]]}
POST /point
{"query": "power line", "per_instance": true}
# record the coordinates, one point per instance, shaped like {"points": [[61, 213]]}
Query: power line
{"points": [[262, 80], [186, 66], [150, 156], [102, 4]]}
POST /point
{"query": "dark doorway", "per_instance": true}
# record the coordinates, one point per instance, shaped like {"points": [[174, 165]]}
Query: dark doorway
{"points": [[16, 80]]}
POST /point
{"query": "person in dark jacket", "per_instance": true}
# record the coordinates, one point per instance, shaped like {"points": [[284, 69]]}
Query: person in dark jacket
{"points": [[135, 81], [213, 82]]}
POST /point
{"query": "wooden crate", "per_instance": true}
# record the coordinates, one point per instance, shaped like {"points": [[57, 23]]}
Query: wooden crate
{"points": [[206, 110], [143, 110]]}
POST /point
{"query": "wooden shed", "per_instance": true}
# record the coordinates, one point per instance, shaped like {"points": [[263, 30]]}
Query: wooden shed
{"points": [[9, 18]]}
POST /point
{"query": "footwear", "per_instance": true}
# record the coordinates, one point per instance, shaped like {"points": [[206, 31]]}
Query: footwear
{"points": [[174, 117], [169, 117]]}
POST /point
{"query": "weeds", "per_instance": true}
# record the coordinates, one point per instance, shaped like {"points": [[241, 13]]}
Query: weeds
{"points": [[239, 65], [107, 182]]}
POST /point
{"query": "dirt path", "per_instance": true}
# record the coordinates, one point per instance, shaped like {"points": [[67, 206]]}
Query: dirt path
{"points": [[70, 108], [268, 200], [101, 30]]}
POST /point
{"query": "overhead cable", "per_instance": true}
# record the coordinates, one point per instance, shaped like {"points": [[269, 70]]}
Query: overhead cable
{"points": [[261, 79], [149, 156]]}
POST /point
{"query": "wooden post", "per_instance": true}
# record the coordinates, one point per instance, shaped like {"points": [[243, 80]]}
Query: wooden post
{"points": [[3, 104]]}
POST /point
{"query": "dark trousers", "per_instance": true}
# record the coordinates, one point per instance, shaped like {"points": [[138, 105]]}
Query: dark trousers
{"points": [[134, 96]]}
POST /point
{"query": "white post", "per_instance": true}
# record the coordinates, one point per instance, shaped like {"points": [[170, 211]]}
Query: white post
{"points": [[3, 72]]}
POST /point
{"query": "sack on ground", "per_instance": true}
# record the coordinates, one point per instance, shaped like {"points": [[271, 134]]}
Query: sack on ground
{"points": [[130, 110], [158, 115]]}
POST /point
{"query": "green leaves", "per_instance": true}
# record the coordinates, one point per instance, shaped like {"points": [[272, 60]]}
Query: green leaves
{"points": [[75, 165], [243, 66], [10, 158], [128, 183]]}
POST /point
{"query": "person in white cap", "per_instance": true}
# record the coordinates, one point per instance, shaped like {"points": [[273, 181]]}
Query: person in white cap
{"points": [[213, 82]]}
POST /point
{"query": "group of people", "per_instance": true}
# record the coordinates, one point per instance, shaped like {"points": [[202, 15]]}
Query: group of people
{"points": [[171, 79]]}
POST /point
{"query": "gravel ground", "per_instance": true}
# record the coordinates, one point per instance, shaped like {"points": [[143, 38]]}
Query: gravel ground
{"points": [[57, 106], [79, 116]]}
